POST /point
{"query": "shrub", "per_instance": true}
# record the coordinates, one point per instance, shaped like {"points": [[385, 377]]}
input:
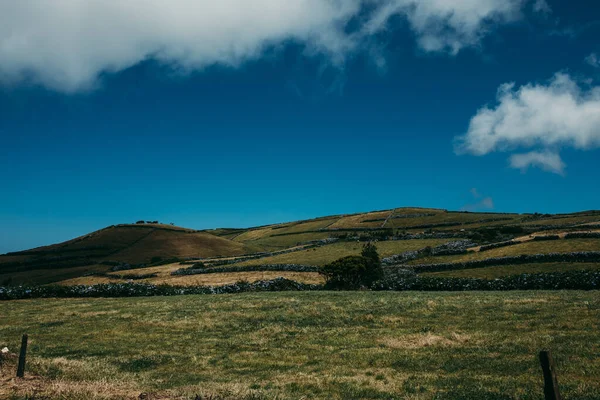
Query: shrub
{"points": [[546, 237], [349, 272], [370, 251], [353, 272]]}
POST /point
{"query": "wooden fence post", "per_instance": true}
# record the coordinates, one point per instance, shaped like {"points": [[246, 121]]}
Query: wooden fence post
{"points": [[22, 355], [550, 382]]}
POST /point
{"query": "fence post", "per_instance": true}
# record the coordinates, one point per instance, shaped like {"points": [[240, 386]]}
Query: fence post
{"points": [[22, 355], [550, 382]]}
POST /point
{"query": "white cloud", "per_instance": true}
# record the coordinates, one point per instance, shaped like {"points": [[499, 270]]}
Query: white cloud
{"points": [[548, 161], [486, 203], [593, 60], [67, 44], [561, 113], [541, 6]]}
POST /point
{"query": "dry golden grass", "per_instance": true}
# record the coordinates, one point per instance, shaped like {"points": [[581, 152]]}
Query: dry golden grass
{"points": [[427, 339], [355, 221], [253, 234], [165, 278], [233, 277], [306, 226], [171, 244]]}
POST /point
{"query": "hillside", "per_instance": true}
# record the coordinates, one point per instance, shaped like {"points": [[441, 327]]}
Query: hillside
{"points": [[314, 242], [402, 220], [133, 244]]}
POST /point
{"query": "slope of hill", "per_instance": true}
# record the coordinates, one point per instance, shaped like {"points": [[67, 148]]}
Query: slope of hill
{"points": [[143, 245], [126, 244], [399, 220]]}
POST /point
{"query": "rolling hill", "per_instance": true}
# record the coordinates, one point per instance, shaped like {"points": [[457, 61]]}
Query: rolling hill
{"points": [[129, 246]]}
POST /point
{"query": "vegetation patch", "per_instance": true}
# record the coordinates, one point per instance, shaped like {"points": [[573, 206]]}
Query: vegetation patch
{"points": [[317, 345], [576, 257]]}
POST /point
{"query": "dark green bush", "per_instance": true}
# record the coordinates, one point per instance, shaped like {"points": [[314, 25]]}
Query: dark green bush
{"points": [[370, 251], [353, 272]]}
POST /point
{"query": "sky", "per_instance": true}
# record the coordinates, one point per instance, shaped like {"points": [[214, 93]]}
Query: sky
{"points": [[232, 113]]}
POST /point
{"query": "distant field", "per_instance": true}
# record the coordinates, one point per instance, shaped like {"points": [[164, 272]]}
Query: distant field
{"points": [[564, 221], [445, 217], [318, 345], [219, 279], [531, 247], [306, 226], [282, 242], [276, 236], [506, 270], [326, 254], [362, 220]]}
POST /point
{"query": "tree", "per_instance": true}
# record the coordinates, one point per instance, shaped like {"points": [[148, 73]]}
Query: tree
{"points": [[352, 272], [370, 251]]}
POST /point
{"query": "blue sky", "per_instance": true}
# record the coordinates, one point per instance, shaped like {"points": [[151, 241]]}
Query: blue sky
{"points": [[314, 107]]}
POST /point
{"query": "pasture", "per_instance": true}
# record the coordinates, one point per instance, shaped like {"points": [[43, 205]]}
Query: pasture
{"points": [[310, 345]]}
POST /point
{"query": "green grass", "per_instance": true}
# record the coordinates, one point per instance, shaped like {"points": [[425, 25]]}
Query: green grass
{"points": [[326, 254], [564, 221], [506, 270], [264, 238], [286, 241], [443, 217], [317, 345], [531, 247]]}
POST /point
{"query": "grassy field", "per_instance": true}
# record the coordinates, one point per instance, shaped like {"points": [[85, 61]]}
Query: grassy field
{"points": [[444, 217], [321, 345], [531, 247], [270, 243], [362, 220], [506, 270], [218, 279], [326, 254], [563, 221]]}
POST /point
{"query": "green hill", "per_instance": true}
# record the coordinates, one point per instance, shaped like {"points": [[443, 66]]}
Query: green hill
{"points": [[151, 244]]}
